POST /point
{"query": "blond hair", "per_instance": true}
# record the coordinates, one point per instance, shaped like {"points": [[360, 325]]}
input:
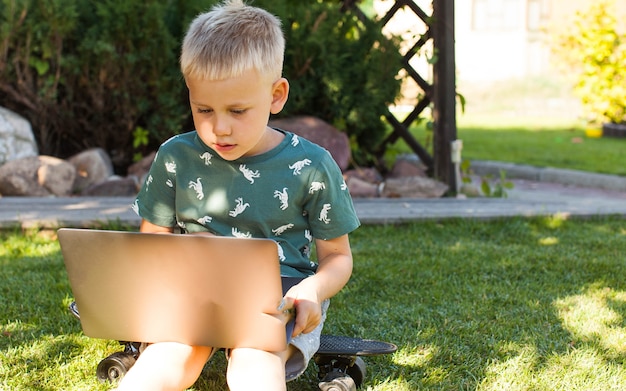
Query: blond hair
{"points": [[230, 39]]}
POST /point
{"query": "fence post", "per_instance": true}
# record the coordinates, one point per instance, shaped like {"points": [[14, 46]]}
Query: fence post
{"points": [[444, 92]]}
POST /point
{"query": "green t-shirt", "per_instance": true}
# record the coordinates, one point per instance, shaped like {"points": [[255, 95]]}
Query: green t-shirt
{"points": [[291, 194]]}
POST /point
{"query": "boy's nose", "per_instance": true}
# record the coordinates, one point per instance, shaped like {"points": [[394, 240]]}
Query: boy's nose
{"points": [[221, 127]]}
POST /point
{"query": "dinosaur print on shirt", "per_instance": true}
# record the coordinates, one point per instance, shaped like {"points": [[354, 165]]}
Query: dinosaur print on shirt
{"points": [[324, 214], [170, 167], [239, 208], [205, 220], [299, 165], [280, 230], [249, 174], [207, 158], [316, 186], [197, 187], [149, 182], [238, 234], [283, 197]]}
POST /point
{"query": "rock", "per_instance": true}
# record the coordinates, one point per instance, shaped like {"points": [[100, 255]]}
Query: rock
{"points": [[113, 187], [413, 187], [93, 166], [361, 189], [16, 137], [140, 169], [470, 190], [37, 176], [321, 133], [365, 174], [406, 166]]}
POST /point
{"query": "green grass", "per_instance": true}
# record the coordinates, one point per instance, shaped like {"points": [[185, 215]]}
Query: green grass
{"points": [[543, 142], [512, 304]]}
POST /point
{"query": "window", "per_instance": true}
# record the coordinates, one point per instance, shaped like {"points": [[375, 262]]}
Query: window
{"points": [[538, 12], [498, 15]]}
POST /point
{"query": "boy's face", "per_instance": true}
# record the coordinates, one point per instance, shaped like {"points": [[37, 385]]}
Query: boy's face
{"points": [[231, 115]]}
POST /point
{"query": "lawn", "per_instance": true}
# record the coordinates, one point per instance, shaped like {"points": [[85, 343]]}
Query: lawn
{"points": [[512, 304], [543, 142]]}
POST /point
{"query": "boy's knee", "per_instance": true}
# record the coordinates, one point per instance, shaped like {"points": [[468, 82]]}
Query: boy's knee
{"points": [[172, 351], [247, 368], [175, 364]]}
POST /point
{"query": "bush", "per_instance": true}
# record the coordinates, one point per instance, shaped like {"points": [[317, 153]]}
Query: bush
{"points": [[596, 51], [89, 74]]}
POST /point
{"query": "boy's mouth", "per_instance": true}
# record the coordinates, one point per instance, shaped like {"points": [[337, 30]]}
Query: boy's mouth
{"points": [[224, 147]]}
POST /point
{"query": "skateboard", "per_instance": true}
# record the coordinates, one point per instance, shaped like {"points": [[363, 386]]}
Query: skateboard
{"points": [[339, 363], [339, 359]]}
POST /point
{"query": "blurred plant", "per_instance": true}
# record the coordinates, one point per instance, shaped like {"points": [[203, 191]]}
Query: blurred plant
{"points": [[488, 186], [140, 142], [595, 49]]}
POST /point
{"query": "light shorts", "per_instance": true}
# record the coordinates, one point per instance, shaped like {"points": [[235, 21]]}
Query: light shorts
{"points": [[306, 346]]}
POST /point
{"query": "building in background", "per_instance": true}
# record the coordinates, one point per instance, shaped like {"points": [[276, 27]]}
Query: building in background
{"points": [[503, 39]]}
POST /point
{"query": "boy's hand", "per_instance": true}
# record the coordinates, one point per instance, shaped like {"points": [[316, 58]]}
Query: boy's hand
{"points": [[304, 299]]}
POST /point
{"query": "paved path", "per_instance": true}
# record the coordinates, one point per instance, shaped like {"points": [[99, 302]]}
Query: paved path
{"points": [[528, 198]]}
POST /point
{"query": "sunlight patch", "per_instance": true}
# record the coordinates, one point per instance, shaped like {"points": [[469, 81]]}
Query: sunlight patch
{"points": [[556, 220], [595, 316], [579, 369], [418, 357], [14, 327], [511, 374], [549, 241]]}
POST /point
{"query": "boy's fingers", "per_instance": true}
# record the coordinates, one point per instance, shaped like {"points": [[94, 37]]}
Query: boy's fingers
{"points": [[307, 319]]}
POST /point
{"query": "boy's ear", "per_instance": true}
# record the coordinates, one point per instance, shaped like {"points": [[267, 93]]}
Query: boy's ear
{"points": [[280, 93]]}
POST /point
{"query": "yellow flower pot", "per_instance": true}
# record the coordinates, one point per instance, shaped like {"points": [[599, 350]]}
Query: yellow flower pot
{"points": [[593, 132]]}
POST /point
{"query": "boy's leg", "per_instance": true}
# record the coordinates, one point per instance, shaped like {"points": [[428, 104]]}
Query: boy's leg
{"points": [[253, 369], [166, 366]]}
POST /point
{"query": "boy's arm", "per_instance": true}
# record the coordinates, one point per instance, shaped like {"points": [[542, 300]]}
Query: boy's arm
{"points": [[335, 268], [147, 226]]}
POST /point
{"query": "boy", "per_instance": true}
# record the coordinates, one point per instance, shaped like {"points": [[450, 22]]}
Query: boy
{"points": [[235, 176]]}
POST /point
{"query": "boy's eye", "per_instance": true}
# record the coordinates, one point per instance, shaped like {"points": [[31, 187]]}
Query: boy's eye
{"points": [[204, 111], [238, 111]]}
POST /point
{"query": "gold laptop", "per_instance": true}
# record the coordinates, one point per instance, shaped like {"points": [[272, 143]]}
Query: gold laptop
{"points": [[193, 289]]}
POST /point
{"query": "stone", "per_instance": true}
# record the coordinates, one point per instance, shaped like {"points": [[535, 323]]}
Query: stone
{"points": [[139, 170], [16, 137], [405, 166], [93, 166], [321, 133], [367, 174], [361, 189], [37, 176], [470, 190], [413, 187], [113, 187]]}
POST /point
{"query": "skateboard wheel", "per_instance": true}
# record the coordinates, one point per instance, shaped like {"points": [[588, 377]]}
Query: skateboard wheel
{"points": [[337, 381], [115, 366], [74, 310], [357, 371]]}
